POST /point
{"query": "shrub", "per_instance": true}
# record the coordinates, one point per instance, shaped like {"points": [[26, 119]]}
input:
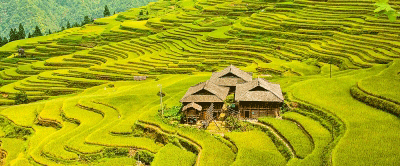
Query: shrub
{"points": [[230, 99], [144, 156], [21, 98]]}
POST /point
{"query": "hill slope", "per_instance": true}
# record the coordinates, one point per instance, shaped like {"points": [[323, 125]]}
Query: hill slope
{"points": [[52, 14], [90, 107]]}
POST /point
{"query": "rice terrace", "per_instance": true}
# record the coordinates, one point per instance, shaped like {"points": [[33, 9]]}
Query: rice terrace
{"points": [[207, 83]]}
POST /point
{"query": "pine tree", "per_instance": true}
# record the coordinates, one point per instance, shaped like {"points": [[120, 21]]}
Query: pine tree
{"points": [[62, 28], [12, 35], [49, 32], [37, 32], [29, 35], [68, 25], [141, 13], [1, 41], [147, 12], [106, 11], [86, 20], [5, 41], [21, 32], [76, 25]]}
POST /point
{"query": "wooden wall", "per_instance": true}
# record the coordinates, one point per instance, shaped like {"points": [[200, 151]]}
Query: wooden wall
{"points": [[259, 109]]}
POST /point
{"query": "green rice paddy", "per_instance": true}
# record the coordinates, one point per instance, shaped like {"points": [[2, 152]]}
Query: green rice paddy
{"points": [[87, 106]]}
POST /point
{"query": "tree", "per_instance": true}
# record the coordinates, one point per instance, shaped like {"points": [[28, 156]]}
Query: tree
{"points": [[12, 35], [62, 28], [21, 32], [86, 20], [147, 12], [21, 98], [37, 32], [1, 42], [76, 25], [141, 13], [49, 32], [29, 35], [68, 25], [106, 11], [383, 7], [5, 41]]}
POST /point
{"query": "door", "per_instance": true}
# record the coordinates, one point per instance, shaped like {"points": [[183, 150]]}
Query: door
{"points": [[246, 114]]}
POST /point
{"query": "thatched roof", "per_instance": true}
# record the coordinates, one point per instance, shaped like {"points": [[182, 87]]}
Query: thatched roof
{"points": [[192, 105], [259, 90], [230, 76], [205, 92]]}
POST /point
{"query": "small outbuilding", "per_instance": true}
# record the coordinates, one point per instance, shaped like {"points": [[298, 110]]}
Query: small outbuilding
{"points": [[198, 99], [258, 98]]}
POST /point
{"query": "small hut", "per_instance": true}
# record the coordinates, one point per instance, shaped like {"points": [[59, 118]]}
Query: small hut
{"points": [[259, 98], [231, 76], [198, 99]]}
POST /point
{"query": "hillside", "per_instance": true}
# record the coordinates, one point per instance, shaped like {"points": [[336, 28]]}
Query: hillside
{"points": [[336, 62], [52, 14]]}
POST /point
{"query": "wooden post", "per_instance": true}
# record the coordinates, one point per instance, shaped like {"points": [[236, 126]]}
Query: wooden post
{"points": [[330, 68], [162, 110]]}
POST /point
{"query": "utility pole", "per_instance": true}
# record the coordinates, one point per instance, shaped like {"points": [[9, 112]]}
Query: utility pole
{"points": [[161, 106], [330, 68]]}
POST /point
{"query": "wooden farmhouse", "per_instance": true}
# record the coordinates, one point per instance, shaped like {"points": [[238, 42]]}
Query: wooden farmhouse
{"points": [[258, 98], [253, 98], [198, 99]]}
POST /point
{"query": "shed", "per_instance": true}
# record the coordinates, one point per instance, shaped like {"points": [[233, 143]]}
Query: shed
{"points": [[200, 97]]}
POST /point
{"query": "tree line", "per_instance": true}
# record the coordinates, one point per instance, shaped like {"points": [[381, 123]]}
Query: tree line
{"points": [[20, 33]]}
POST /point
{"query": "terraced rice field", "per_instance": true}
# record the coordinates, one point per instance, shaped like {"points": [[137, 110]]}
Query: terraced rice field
{"points": [[90, 106]]}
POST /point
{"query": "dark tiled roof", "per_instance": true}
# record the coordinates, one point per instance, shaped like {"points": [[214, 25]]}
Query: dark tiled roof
{"points": [[241, 76], [259, 90], [217, 93]]}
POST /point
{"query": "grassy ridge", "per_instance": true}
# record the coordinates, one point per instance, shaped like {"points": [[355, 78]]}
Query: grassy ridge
{"points": [[255, 147], [96, 113], [297, 138], [371, 123]]}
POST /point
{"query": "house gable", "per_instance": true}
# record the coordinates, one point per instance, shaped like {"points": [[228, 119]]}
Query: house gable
{"points": [[229, 75], [203, 92], [259, 88]]}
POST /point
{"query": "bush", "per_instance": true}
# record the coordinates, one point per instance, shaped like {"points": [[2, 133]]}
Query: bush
{"points": [[115, 152], [21, 98], [173, 113], [144, 156], [234, 124]]}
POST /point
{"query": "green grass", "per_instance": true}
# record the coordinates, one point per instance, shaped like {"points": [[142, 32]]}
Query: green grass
{"points": [[320, 136], [173, 155], [23, 115], [296, 137], [13, 147], [361, 120], [255, 148], [387, 86], [292, 42]]}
